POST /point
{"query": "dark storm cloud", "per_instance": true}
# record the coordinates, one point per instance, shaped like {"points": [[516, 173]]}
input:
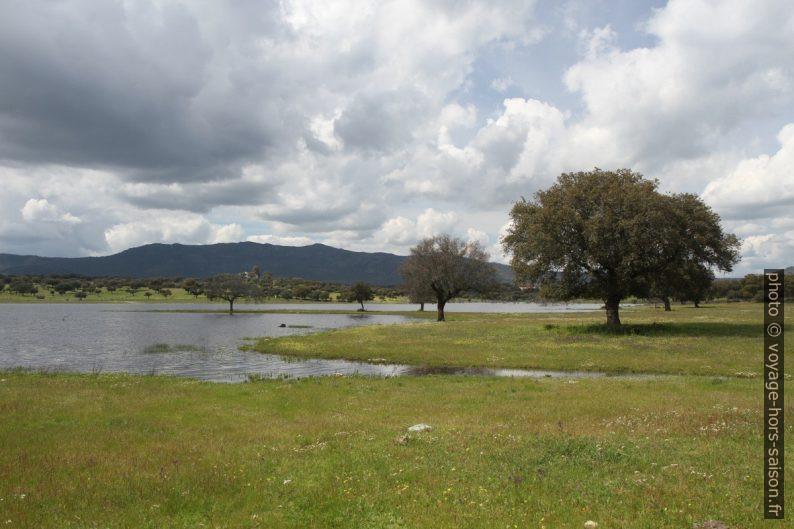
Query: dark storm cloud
{"points": [[311, 218], [100, 84], [362, 219], [382, 122], [198, 197], [752, 211]]}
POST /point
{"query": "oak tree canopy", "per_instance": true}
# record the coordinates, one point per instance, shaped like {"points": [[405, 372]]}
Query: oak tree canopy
{"points": [[612, 234]]}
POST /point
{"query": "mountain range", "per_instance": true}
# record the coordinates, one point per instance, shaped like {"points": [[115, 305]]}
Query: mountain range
{"points": [[317, 261]]}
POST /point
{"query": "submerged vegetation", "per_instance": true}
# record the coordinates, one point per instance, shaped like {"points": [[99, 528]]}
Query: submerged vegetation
{"points": [[170, 348]]}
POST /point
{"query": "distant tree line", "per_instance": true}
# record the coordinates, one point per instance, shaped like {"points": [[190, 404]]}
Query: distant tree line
{"points": [[287, 288], [748, 288]]}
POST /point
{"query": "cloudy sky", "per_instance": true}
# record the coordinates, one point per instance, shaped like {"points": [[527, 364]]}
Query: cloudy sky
{"points": [[368, 126]]}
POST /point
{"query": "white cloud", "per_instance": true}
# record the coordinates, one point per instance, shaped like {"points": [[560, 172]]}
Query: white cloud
{"points": [[475, 235], [323, 130], [225, 233], [501, 84], [403, 232], [432, 223], [496, 251], [398, 231], [767, 250], [760, 187], [716, 66], [281, 241], [40, 210], [524, 141], [170, 227]]}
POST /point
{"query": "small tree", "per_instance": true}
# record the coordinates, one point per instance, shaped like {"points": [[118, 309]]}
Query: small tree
{"points": [[23, 286], [322, 295], [448, 266], [63, 287], [165, 292], [361, 292], [697, 285], [301, 292], [752, 287], [230, 287], [192, 287], [693, 242], [418, 291], [81, 295], [285, 293]]}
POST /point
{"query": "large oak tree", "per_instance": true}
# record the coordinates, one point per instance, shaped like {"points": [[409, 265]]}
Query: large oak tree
{"points": [[611, 234]]}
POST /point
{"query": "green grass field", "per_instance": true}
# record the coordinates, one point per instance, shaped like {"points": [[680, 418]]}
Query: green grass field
{"points": [[114, 451], [712, 340], [120, 451]]}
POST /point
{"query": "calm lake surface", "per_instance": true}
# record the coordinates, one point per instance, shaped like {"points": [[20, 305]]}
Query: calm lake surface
{"points": [[96, 338], [490, 307]]}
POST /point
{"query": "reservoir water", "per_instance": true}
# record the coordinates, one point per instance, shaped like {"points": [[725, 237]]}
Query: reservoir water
{"points": [[130, 338]]}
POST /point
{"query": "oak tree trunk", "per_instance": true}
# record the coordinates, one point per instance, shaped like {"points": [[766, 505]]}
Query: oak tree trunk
{"points": [[667, 306], [613, 306], [441, 310]]}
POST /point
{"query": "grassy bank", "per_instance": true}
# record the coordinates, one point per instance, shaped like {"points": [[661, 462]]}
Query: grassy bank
{"points": [[712, 340], [118, 451]]}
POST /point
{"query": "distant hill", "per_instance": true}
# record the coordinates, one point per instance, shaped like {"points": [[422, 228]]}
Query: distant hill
{"points": [[317, 261], [789, 271]]}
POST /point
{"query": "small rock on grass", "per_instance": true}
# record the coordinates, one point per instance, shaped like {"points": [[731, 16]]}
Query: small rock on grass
{"points": [[590, 524], [421, 427]]}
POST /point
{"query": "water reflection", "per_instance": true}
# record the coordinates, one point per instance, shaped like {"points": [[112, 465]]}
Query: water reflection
{"points": [[101, 338]]}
